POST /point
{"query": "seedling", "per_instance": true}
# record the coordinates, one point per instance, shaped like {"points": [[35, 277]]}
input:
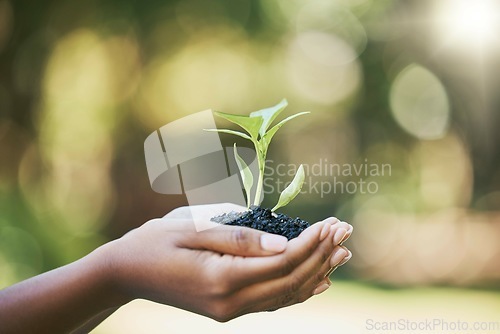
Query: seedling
{"points": [[258, 130]]}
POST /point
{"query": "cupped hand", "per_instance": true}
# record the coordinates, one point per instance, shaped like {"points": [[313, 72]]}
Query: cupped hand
{"points": [[226, 271]]}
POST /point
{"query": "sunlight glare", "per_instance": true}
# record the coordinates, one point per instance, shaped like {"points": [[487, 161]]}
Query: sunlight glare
{"points": [[470, 22]]}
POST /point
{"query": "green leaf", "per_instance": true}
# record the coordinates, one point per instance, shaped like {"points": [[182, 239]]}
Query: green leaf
{"points": [[292, 190], [268, 115], [250, 124], [266, 140], [237, 133], [246, 174]]}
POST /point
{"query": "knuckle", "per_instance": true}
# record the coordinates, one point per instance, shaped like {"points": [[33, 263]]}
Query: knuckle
{"points": [[210, 275], [221, 289], [287, 266], [293, 285], [286, 300], [241, 239], [221, 312], [319, 276], [325, 254], [311, 247], [303, 298], [218, 283]]}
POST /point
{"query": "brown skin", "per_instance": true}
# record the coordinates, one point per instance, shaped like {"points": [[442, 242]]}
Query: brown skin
{"points": [[221, 273]]}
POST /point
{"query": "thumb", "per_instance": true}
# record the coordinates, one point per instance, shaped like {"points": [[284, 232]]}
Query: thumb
{"points": [[240, 241]]}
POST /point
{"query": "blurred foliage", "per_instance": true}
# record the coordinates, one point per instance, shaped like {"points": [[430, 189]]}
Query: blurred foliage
{"points": [[404, 83]]}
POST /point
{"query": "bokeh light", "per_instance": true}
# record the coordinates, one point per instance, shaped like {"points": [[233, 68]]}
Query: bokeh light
{"points": [[210, 69], [322, 68], [333, 17], [75, 128], [419, 103]]}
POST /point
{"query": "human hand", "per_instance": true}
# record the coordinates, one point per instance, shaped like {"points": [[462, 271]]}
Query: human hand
{"points": [[226, 271]]}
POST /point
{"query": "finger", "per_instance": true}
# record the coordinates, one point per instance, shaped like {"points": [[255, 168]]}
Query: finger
{"points": [[274, 304], [348, 234], [316, 283], [236, 240], [304, 293], [344, 261], [284, 289], [338, 255], [341, 235], [320, 288], [343, 232], [309, 289], [251, 270], [246, 271]]}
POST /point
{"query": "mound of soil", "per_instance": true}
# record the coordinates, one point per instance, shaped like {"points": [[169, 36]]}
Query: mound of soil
{"points": [[264, 219]]}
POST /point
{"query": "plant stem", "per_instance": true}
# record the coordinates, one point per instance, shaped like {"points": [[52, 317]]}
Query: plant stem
{"points": [[258, 191], [261, 159]]}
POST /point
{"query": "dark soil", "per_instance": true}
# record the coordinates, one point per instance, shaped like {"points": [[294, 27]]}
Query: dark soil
{"points": [[264, 219]]}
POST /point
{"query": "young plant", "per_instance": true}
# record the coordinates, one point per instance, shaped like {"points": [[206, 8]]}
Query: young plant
{"points": [[258, 131]]}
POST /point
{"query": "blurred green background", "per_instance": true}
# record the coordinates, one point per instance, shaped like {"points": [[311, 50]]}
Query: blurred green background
{"points": [[412, 84]]}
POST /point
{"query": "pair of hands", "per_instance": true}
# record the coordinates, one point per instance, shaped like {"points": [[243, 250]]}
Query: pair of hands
{"points": [[221, 273], [226, 271]]}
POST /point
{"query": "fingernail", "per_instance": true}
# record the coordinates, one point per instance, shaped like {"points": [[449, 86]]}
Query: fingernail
{"points": [[344, 239], [347, 258], [338, 255], [324, 232], [331, 220], [273, 242], [349, 227], [322, 288], [332, 269], [339, 235], [347, 235]]}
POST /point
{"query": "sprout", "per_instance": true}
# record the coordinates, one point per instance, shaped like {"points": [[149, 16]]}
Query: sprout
{"points": [[258, 131]]}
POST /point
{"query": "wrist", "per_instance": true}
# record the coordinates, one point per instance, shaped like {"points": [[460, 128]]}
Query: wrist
{"points": [[107, 269]]}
